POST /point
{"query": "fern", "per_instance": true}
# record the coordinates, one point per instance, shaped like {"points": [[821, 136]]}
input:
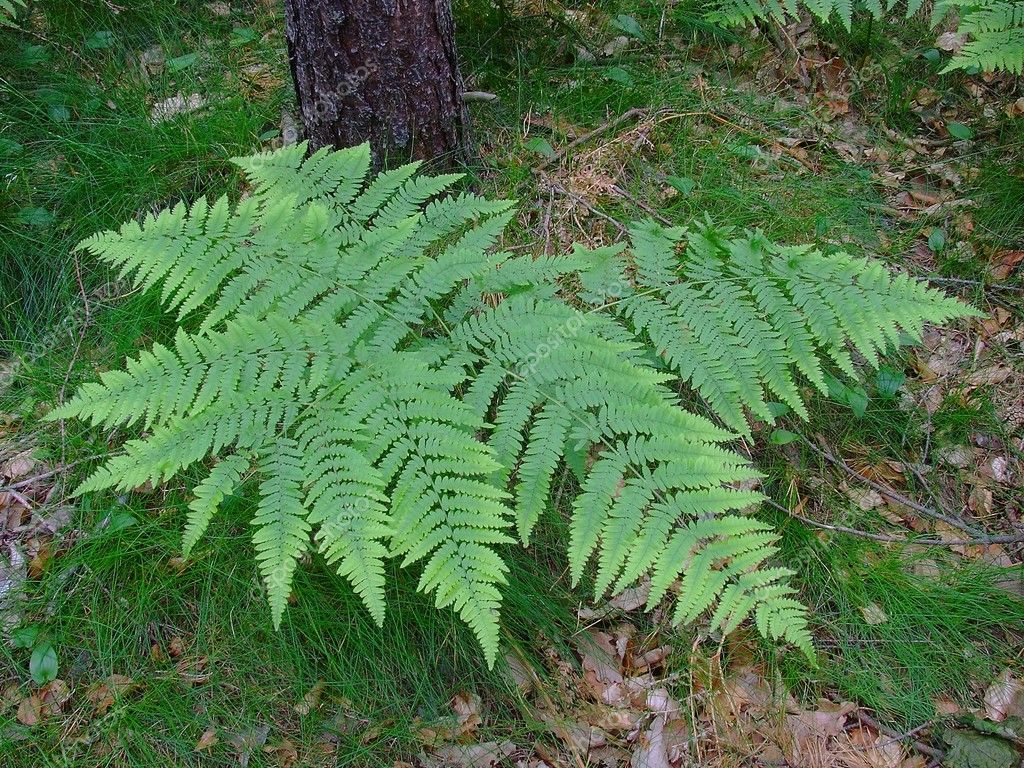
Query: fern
{"points": [[741, 318], [9, 11], [995, 27], [996, 31], [337, 347], [742, 12]]}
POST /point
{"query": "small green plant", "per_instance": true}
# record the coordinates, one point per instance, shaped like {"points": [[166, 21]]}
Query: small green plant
{"points": [[42, 664], [738, 12], [398, 389]]}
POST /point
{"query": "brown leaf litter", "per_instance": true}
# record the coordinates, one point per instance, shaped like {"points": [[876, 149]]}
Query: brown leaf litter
{"points": [[616, 705]]}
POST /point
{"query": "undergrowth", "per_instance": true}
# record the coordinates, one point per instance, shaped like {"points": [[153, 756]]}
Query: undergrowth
{"points": [[114, 594]]}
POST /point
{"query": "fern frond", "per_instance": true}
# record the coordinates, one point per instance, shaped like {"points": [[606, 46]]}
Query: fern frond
{"points": [[577, 381], [349, 348], [741, 12], [347, 501], [995, 27], [444, 509], [545, 442], [991, 50], [247, 363], [327, 176], [744, 315]]}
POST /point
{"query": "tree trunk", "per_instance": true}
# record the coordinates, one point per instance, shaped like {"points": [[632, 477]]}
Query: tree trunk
{"points": [[382, 71]]}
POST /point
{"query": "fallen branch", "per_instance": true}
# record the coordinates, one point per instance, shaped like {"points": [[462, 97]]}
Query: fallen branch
{"points": [[42, 476], [664, 115], [560, 155], [886, 491], [977, 283], [889, 539], [559, 189], [920, 746]]}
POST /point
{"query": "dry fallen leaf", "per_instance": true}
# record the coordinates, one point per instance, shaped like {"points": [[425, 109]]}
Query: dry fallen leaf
{"points": [[1005, 263], [651, 750], [486, 755], [467, 708], [951, 42], [38, 563], [285, 753], [959, 456], [55, 695], [873, 614], [208, 740], [466, 719], [651, 658], [176, 105], [104, 693], [990, 375], [1005, 697], [945, 706], [18, 467], [980, 501], [601, 666], [30, 710], [865, 498], [311, 699], [219, 9], [176, 647], [867, 749], [10, 696], [247, 742]]}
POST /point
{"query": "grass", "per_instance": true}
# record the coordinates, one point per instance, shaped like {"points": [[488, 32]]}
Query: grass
{"points": [[81, 153], [899, 639], [903, 626], [115, 595], [119, 605]]}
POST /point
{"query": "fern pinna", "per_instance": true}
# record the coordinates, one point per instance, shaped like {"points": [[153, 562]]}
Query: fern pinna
{"points": [[9, 11], [340, 350]]}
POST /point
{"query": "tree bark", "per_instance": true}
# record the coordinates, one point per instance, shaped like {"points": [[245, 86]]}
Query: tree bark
{"points": [[383, 71]]}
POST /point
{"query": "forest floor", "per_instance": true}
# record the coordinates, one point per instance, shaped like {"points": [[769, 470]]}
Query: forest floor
{"points": [[117, 652]]}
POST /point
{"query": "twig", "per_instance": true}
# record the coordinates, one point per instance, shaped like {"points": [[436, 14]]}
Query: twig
{"points": [[20, 499], [885, 490], [78, 348], [977, 283], [36, 478], [887, 539], [641, 204], [920, 746], [555, 187], [624, 117], [547, 221]]}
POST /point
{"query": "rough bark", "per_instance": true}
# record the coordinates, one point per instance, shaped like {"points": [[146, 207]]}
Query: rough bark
{"points": [[383, 71]]}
